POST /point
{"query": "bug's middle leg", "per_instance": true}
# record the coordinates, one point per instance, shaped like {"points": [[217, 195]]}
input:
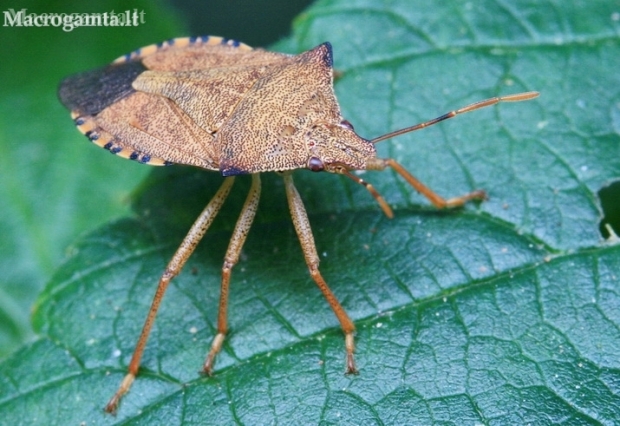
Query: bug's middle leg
{"points": [[242, 227], [304, 233]]}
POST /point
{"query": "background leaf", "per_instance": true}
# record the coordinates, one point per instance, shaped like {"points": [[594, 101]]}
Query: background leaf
{"points": [[502, 313], [50, 190]]}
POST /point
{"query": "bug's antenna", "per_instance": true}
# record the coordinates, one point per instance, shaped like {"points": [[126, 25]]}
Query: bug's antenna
{"points": [[526, 96], [384, 205]]}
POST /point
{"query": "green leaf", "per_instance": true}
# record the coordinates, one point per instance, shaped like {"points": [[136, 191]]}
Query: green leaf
{"points": [[52, 188], [505, 312]]}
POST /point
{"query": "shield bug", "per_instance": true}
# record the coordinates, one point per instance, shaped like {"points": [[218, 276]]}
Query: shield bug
{"points": [[220, 105]]}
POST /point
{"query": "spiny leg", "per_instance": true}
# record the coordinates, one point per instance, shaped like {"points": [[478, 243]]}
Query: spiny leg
{"points": [[437, 200], [175, 265], [232, 257], [304, 233]]}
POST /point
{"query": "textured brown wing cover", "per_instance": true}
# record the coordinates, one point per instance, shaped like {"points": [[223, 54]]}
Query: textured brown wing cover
{"points": [[208, 102]]}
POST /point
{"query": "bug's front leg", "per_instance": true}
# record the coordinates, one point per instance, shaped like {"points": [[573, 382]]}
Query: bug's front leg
{"points": [[242, 227], [436, 199], [304, 233], [175, 265]]}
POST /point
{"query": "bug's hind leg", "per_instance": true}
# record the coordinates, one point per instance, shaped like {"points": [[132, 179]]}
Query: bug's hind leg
{"points": [[237, 239], [175, 265], [304, 233]]}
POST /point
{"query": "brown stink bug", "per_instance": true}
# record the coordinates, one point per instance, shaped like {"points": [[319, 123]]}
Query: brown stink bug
{"points": [[220, 105]]}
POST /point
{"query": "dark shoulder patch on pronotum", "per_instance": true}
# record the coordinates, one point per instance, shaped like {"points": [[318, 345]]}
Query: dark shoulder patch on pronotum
{"points": [[329, 54], [91, 92]]}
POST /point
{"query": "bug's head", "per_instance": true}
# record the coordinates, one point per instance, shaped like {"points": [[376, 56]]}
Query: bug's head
{"points": [[336, 148]]}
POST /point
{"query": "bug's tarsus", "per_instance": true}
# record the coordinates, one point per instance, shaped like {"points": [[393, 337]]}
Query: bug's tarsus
{"points": [[350, 347], [175, 265], [216, 346], [242, 227], [518, 97], [112, 405], [304, 233]]}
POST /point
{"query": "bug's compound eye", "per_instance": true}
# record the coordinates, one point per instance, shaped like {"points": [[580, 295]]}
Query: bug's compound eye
{"points": [[315, 164], [346, 124]]}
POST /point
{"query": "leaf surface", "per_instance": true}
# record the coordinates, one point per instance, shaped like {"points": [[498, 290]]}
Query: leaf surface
{"points": [[505, 312]]}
